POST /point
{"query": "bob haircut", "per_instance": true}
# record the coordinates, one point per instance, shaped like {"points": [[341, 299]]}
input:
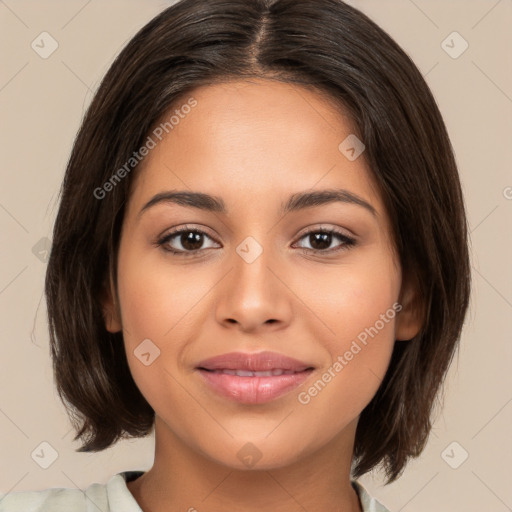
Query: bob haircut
{"points": [[337, 51]]}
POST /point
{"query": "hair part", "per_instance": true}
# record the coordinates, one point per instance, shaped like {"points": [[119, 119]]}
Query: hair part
{"points": [[340, 52]]}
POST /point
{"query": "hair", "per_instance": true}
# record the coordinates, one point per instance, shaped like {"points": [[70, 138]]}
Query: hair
{"points": [[337, 50]]}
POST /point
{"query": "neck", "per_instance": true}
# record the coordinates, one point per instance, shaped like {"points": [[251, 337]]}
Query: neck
{"points": [[183, 479]]}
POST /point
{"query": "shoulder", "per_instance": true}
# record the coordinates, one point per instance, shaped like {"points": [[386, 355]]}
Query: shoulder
{"points": [[42, 501], [368, 503], [113, 496]]}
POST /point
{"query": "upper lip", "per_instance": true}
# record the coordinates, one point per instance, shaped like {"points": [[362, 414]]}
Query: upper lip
{"points": [[255, 362]]}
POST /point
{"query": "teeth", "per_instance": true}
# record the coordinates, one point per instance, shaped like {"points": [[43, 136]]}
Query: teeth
{"points": [[246, 373], [243, 373]]}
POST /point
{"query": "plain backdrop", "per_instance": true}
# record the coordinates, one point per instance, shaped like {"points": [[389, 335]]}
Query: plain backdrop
{"points": [[466, 464]]}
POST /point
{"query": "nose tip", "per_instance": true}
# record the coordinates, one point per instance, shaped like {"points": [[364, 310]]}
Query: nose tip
{"points": [[252, 297]]}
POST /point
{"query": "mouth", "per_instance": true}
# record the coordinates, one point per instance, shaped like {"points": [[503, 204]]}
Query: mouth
{"points": [[253, 378], [246, 373]]}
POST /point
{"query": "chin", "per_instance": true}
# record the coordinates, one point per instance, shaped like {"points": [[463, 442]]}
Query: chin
{"points": [[258, 454]]}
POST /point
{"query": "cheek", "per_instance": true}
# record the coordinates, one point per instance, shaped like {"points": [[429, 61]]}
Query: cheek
{"points": [[160, 311], [360, 313], [347, 384], [350, 299], [157, 302]]}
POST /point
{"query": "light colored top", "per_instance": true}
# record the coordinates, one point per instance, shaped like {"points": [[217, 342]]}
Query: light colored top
{"points": [[114, 496]]}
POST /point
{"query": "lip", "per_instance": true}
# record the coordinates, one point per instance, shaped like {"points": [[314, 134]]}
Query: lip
{"points": [[237, 375], [259, 361]]}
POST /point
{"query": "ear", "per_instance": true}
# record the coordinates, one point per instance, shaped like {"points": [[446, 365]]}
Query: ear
{"points": [[110, 307], [409, 319]]}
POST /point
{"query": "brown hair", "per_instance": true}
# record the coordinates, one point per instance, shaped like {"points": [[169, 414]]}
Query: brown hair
{"points": [[324, 44]]}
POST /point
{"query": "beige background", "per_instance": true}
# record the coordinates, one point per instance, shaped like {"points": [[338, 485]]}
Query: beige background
{"points": [[42, 102]]}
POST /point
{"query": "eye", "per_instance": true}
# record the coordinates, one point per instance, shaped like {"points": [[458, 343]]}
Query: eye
{"points": [[321, 239], [188, 240]]}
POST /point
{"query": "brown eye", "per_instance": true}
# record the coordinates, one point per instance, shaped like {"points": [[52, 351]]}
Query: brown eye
{"points": [[321, 240], [191, 240], [184, 241]]}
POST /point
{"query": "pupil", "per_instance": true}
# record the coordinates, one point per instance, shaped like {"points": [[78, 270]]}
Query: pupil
{"points": [[191, 240], [322, 239]]}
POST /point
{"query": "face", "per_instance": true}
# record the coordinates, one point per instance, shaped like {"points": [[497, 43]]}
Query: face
{"points": [[265, 327]]}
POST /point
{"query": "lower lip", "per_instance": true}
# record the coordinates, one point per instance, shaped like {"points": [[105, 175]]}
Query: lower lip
{"points": [[253, 390]]}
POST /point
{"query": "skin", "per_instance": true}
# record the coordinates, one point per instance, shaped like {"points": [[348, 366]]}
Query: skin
{"points": [[254, 143]]}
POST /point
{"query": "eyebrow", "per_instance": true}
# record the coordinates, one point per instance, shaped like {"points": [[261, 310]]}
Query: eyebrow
{"points": [[296, 202]]}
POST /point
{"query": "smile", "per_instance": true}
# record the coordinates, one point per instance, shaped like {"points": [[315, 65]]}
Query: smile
{"points": [[253, 378], [245, 373]]}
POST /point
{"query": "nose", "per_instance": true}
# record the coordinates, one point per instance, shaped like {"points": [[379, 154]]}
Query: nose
{"points": [[254, 295]]}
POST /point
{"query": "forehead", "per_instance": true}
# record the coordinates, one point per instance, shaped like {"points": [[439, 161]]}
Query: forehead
{"points": [[255, 136], [251, 94]]}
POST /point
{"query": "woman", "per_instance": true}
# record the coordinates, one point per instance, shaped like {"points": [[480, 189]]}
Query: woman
{"points": [[261, 253]]}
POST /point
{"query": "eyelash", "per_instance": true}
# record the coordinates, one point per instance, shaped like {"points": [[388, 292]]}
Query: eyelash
{"points": [[347, 241]]}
